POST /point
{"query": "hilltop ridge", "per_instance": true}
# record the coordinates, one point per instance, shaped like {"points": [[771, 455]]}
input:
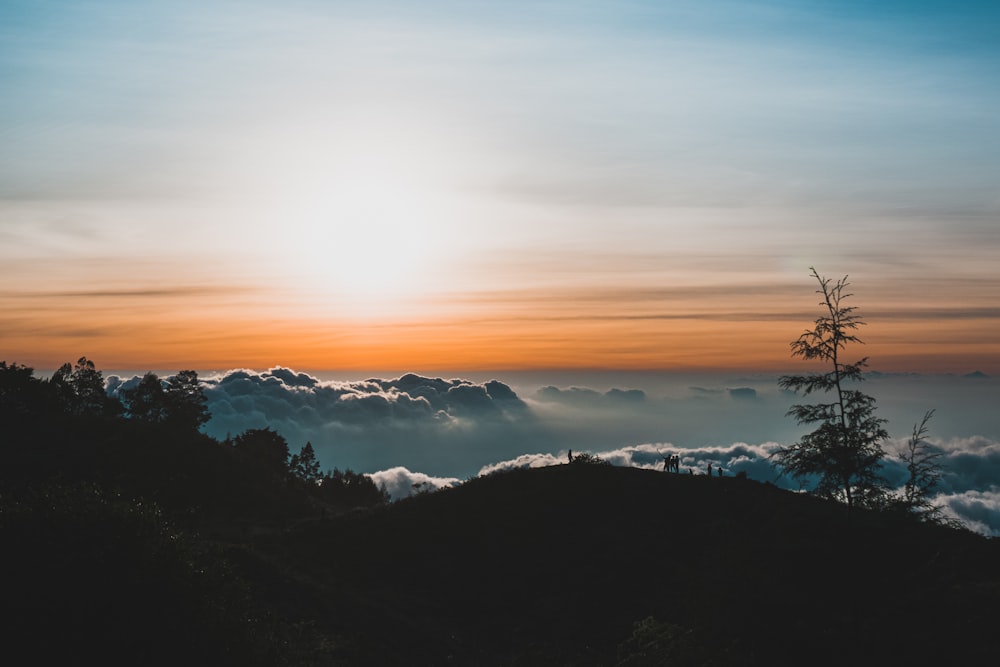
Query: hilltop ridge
{"points": [[557, 565]]}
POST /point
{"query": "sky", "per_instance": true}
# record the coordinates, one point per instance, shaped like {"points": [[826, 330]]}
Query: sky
{"points": [[504, 186]]}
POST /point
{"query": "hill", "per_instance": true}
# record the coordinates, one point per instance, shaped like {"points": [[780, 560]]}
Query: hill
{"points": [[558, 565], [130, 537]]}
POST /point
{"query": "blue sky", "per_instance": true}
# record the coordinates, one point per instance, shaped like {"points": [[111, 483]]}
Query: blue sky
{"points": [[337, 165], [474, 185]]}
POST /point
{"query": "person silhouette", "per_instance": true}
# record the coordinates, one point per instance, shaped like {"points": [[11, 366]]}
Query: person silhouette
{"points": [[570, 456], [709, 469]]}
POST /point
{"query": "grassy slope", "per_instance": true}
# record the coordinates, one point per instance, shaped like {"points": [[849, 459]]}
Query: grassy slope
{"points": [[553, 566]]}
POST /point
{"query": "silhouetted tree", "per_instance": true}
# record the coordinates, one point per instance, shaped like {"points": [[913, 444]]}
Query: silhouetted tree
{"points": [[305, 466], [178, 402], [88, 385], [62, 387], [80, 389], [351, 489], [263, 448], [845, 451], [585, 458], [146, 401], [20, 392], [186, 403], [924, 468]]}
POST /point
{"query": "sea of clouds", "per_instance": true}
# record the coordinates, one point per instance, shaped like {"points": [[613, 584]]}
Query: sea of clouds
{"points": [[415, 433]]}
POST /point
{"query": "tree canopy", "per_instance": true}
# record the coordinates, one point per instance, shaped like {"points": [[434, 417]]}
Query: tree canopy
{"points": [[80, 389], [179, 401], [185, 401]]}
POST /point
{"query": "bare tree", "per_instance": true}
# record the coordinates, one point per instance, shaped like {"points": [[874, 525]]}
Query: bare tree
{"points": [[923, 463]]}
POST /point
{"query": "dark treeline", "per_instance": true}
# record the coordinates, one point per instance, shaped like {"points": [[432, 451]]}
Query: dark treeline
{"points": [[130, 537], [113, 510], [147, 444]]}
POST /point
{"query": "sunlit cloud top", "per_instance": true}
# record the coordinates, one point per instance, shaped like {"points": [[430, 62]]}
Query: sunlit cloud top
{"points": [[379, 184]]}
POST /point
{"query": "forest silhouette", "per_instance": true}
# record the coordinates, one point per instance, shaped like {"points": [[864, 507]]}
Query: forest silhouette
{"points": [[130, 537], [115, 515]]}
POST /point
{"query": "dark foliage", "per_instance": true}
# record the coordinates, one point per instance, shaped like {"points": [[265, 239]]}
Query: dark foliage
{"points": [[655, 643], [554, 566], [585, 458], [79, 390], [185, 400], [845, 451], [146, 401], [92, 578], [20, 393], [349, 489], [923, 463], [79, 479], [129, 542], [263, 449], [179, 402], [305, 466]]}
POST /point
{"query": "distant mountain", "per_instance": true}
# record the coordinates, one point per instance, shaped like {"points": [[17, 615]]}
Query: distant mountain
{"points": [[558, 565], [976, 375]]}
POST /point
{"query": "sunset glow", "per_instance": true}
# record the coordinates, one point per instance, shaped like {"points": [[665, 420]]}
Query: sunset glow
{"points": [[516, 186]]}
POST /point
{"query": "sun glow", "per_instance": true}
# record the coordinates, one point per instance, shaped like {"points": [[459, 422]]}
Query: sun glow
{"points": [[369, 225]]}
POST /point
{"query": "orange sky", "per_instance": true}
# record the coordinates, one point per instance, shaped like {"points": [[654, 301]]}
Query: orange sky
{"points": [[513, 185], [688, 328]]}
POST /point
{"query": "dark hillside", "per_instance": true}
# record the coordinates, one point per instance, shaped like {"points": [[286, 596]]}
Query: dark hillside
{"points": [[555, 565], [129, 537]]}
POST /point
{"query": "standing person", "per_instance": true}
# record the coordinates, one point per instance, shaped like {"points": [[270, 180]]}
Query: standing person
{"points": [[709, 469]]}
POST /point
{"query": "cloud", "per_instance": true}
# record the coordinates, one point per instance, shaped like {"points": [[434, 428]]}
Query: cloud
{"points": [[979, 510], [402, 483], [584, 397], [282, 394], [456, 428], [969, 464], [524, 461], [449, 426], [682, 413], [732, 459], [626, 395], [571, 396], [443, 426], [744, 393], [114, 384]]}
